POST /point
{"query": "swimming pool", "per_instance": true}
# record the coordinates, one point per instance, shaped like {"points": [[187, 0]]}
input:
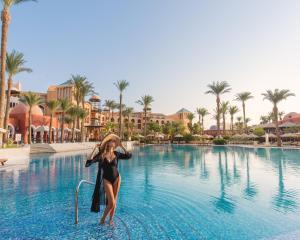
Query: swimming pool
{"points": [[168, 192]]}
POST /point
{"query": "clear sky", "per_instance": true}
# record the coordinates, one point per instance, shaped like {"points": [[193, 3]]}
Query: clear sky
{"points": [[170, 49]]}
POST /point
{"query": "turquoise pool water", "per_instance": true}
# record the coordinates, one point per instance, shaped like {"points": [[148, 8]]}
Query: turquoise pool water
{"points": [[168, 192]]}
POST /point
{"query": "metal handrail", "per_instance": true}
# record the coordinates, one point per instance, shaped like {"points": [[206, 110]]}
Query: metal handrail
{"points": [[76, 197]]}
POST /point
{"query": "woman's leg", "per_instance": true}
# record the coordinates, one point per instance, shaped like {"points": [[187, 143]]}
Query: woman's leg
{"points": [[116, 188], [108, 187]]}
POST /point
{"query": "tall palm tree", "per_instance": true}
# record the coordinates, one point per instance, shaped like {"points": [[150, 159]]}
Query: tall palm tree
{"points": [[14, 65], [78, 82], [52, 105], [224, 110], [199, 116], [87, 89], [5, 18], [217, 89], [203, 112], [121, 86], [145, 101], [190, 117], [276, 97], [30, 99], [82, 114], [280, 115], [65, 105], [110, 104], [127, 113], [232, 111], [243, 97], [73, 113]]}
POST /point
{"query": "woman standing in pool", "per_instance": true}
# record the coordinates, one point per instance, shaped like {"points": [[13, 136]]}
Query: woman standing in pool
{"points": [[108, 178]]}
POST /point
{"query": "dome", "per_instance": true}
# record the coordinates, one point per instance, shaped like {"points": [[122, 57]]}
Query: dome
{"points": [[21, 108], [291, 115], [95, 98]]}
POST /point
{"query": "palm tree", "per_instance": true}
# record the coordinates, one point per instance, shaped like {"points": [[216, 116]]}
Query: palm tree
{"points": [[280, 115], [145, 101], [275, 97], [127, 113], [65, 105], [73, 113], [217, 89], [199, 115], [203, 112], [52, 105], [78, 82], [31, 100], [190, 117], [232, 111], [121, 86], [5, 18], [82, 114], [224, 110], [14, 65], [243, 97], [110, 105], [264, 119]]}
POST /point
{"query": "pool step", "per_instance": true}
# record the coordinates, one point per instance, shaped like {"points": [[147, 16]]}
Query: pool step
{"points": [[41, 148]]}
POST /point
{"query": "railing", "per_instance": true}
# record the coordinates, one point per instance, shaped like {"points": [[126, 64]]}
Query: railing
{"points": [[76, 197]]}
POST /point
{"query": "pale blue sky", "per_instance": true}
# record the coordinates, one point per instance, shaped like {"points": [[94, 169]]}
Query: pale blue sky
{"points": [[170, 49]]}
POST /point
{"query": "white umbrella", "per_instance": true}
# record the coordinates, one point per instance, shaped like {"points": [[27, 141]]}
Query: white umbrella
{"points": [[160, 135], [140, 136], [270, 135], [252, 135], [178, 136], [196, 135], [207, 136]]}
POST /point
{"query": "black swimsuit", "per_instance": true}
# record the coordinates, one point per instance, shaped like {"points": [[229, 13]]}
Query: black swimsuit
{"points": [[107, 170], [110, 170]]}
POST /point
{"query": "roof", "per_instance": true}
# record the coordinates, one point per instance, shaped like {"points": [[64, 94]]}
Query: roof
{"points": [[184, 110], [21, 108]]}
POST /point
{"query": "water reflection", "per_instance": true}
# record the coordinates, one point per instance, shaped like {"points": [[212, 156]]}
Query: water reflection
{"points": [[251, 190], [224, 202], [284, 200]]}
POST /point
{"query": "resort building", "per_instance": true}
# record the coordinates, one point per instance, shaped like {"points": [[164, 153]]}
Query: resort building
{"points": [[95, 122]]}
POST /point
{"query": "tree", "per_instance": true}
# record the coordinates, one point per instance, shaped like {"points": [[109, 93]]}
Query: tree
{"points": [[74, 113], [243, 97], [259, 131], [224, 110], [232, 111], [127, 113], [239, 123], [82, 114], [280, 115], [14, 65], [121, 86], [202, 112], [65, 105], [5, 18], [276, 97], [217, 89], [52, 105], [77, 81], [111, 105], [30, 99], [190, 117], [264, 119], [154, 127], [145, 101]]}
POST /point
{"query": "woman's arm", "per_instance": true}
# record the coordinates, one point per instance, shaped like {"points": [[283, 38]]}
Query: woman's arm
{"points": [[95, 159], [125, 155]]}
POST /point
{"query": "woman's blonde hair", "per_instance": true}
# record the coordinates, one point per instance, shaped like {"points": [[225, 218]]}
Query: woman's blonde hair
{"points": [[105, 148]]}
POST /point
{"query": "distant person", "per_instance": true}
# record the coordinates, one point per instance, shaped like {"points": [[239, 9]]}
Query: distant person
{"points": [[108, 178]]}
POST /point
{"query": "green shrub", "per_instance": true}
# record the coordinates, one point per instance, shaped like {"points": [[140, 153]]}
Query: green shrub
{"points": [[227, 138], [259, 131], [219, 141], [188, 137]]}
